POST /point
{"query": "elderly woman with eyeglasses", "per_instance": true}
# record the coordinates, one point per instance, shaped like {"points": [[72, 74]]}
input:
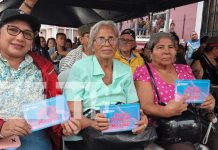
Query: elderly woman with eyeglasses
{"points": [[100, 80]]}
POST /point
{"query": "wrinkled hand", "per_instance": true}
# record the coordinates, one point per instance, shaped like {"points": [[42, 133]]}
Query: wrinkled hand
{"points": [[15, 126], [142, 124], [71, 127], [175, 108], [101, 122], [209, 103]]}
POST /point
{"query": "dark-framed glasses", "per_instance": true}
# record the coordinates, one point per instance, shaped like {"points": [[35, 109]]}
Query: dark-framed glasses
{"points": [[102, 40], [14, 31]]}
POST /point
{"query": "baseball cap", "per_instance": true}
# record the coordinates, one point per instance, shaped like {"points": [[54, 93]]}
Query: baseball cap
{"points": [[84, 29], [128, 31], [13, 14]]}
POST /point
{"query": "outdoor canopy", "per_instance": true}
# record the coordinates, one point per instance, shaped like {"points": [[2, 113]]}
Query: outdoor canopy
{"points": [[73, 13]]}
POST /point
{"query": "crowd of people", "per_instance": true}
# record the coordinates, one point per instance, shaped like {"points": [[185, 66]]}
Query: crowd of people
{"points": [[104, 69]]}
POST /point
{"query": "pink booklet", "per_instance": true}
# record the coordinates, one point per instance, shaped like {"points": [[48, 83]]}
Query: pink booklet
{"points": [[10, 142]]}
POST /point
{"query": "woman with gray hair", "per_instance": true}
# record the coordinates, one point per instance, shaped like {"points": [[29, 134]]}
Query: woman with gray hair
{"points": [[165, 73], [100, 80]]}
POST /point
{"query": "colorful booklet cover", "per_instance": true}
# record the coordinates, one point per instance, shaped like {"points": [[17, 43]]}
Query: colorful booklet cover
{"points": [[121, 117], [46, 113], [198, 90]]}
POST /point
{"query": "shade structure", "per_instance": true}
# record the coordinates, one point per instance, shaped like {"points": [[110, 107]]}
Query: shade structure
{"points": [[73, 13]]}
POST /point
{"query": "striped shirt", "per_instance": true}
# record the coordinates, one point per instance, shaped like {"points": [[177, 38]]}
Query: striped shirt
{"points": [[71, 58]]}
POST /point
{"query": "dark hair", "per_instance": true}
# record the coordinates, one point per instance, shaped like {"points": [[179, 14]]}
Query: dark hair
{"points": [[211, 43], [176, 37], [49, 40], [69, 41], [204, 39], [155, 38], [41, 37], [60, 34]]}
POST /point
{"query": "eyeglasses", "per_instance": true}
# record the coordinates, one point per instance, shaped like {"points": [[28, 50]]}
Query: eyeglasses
{"points": [[125, 41], [14, 31], [101, 40]]}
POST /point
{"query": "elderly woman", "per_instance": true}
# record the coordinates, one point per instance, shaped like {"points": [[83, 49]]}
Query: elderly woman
{"points": [[22, 78], [165, 72], [100, 80]]}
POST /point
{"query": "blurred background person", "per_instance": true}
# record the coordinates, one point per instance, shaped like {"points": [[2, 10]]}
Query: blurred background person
{"points": [[51, 43], [126, 47], [68, 45]]}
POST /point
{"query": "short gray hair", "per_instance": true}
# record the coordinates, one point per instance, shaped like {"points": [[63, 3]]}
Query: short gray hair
{"points": [[95, 29], [155, 38]]}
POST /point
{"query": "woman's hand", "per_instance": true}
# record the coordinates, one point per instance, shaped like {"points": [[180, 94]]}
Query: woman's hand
{"points": [[101, 122], [175, 108], [71, 127], [209, 103], [15, 126], [142, 124]]}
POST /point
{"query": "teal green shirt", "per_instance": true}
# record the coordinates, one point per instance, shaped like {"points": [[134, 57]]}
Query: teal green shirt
{"points": [[85, 84]]}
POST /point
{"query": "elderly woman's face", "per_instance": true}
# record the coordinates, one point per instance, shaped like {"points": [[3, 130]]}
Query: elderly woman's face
{"points": [[164, 52], [16, 39], [105, 43]]}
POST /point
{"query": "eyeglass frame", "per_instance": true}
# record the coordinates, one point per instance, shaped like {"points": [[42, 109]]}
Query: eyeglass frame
{"points": [[20, 31], [106, 40]]}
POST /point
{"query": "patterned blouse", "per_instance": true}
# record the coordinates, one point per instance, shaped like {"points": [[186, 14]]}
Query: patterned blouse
{"points": [[165, 90], [19, 87]]}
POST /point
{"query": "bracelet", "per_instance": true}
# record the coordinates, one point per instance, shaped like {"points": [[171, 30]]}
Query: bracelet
{"points": [[27, 5]]}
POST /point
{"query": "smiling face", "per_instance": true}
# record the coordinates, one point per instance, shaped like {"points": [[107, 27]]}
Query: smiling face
{"points": [[164, 52], [14, 46], [105, 43]]}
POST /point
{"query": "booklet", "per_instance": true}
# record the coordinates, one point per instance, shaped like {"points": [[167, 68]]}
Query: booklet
{"points": [[46, 113], [121, 117], [198, 90]]}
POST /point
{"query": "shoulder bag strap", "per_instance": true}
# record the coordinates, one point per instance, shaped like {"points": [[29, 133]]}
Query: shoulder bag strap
{"points": [[154, 84]]}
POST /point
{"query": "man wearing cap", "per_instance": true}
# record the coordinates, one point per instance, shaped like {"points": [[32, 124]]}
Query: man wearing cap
{"points": [[25, 77], [78, 53], [125, 52]]}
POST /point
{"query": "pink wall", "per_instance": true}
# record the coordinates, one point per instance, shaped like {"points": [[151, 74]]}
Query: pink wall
{"points": [[177, 15]]}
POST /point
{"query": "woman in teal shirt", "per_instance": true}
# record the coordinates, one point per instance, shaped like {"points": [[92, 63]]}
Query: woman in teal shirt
{"points": [[100, 80]]}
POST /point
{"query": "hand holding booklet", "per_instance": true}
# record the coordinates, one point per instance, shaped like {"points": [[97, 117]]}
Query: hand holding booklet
{"points": [[121, 117], [197, 90], [46, 113]]}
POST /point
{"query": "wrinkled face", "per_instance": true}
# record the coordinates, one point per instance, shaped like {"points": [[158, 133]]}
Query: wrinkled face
{"points": [[164, 52], [13, 44], [105, 43], [126, 43], [42, 42], [84, 40], [61, 40], [194, 36]]}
